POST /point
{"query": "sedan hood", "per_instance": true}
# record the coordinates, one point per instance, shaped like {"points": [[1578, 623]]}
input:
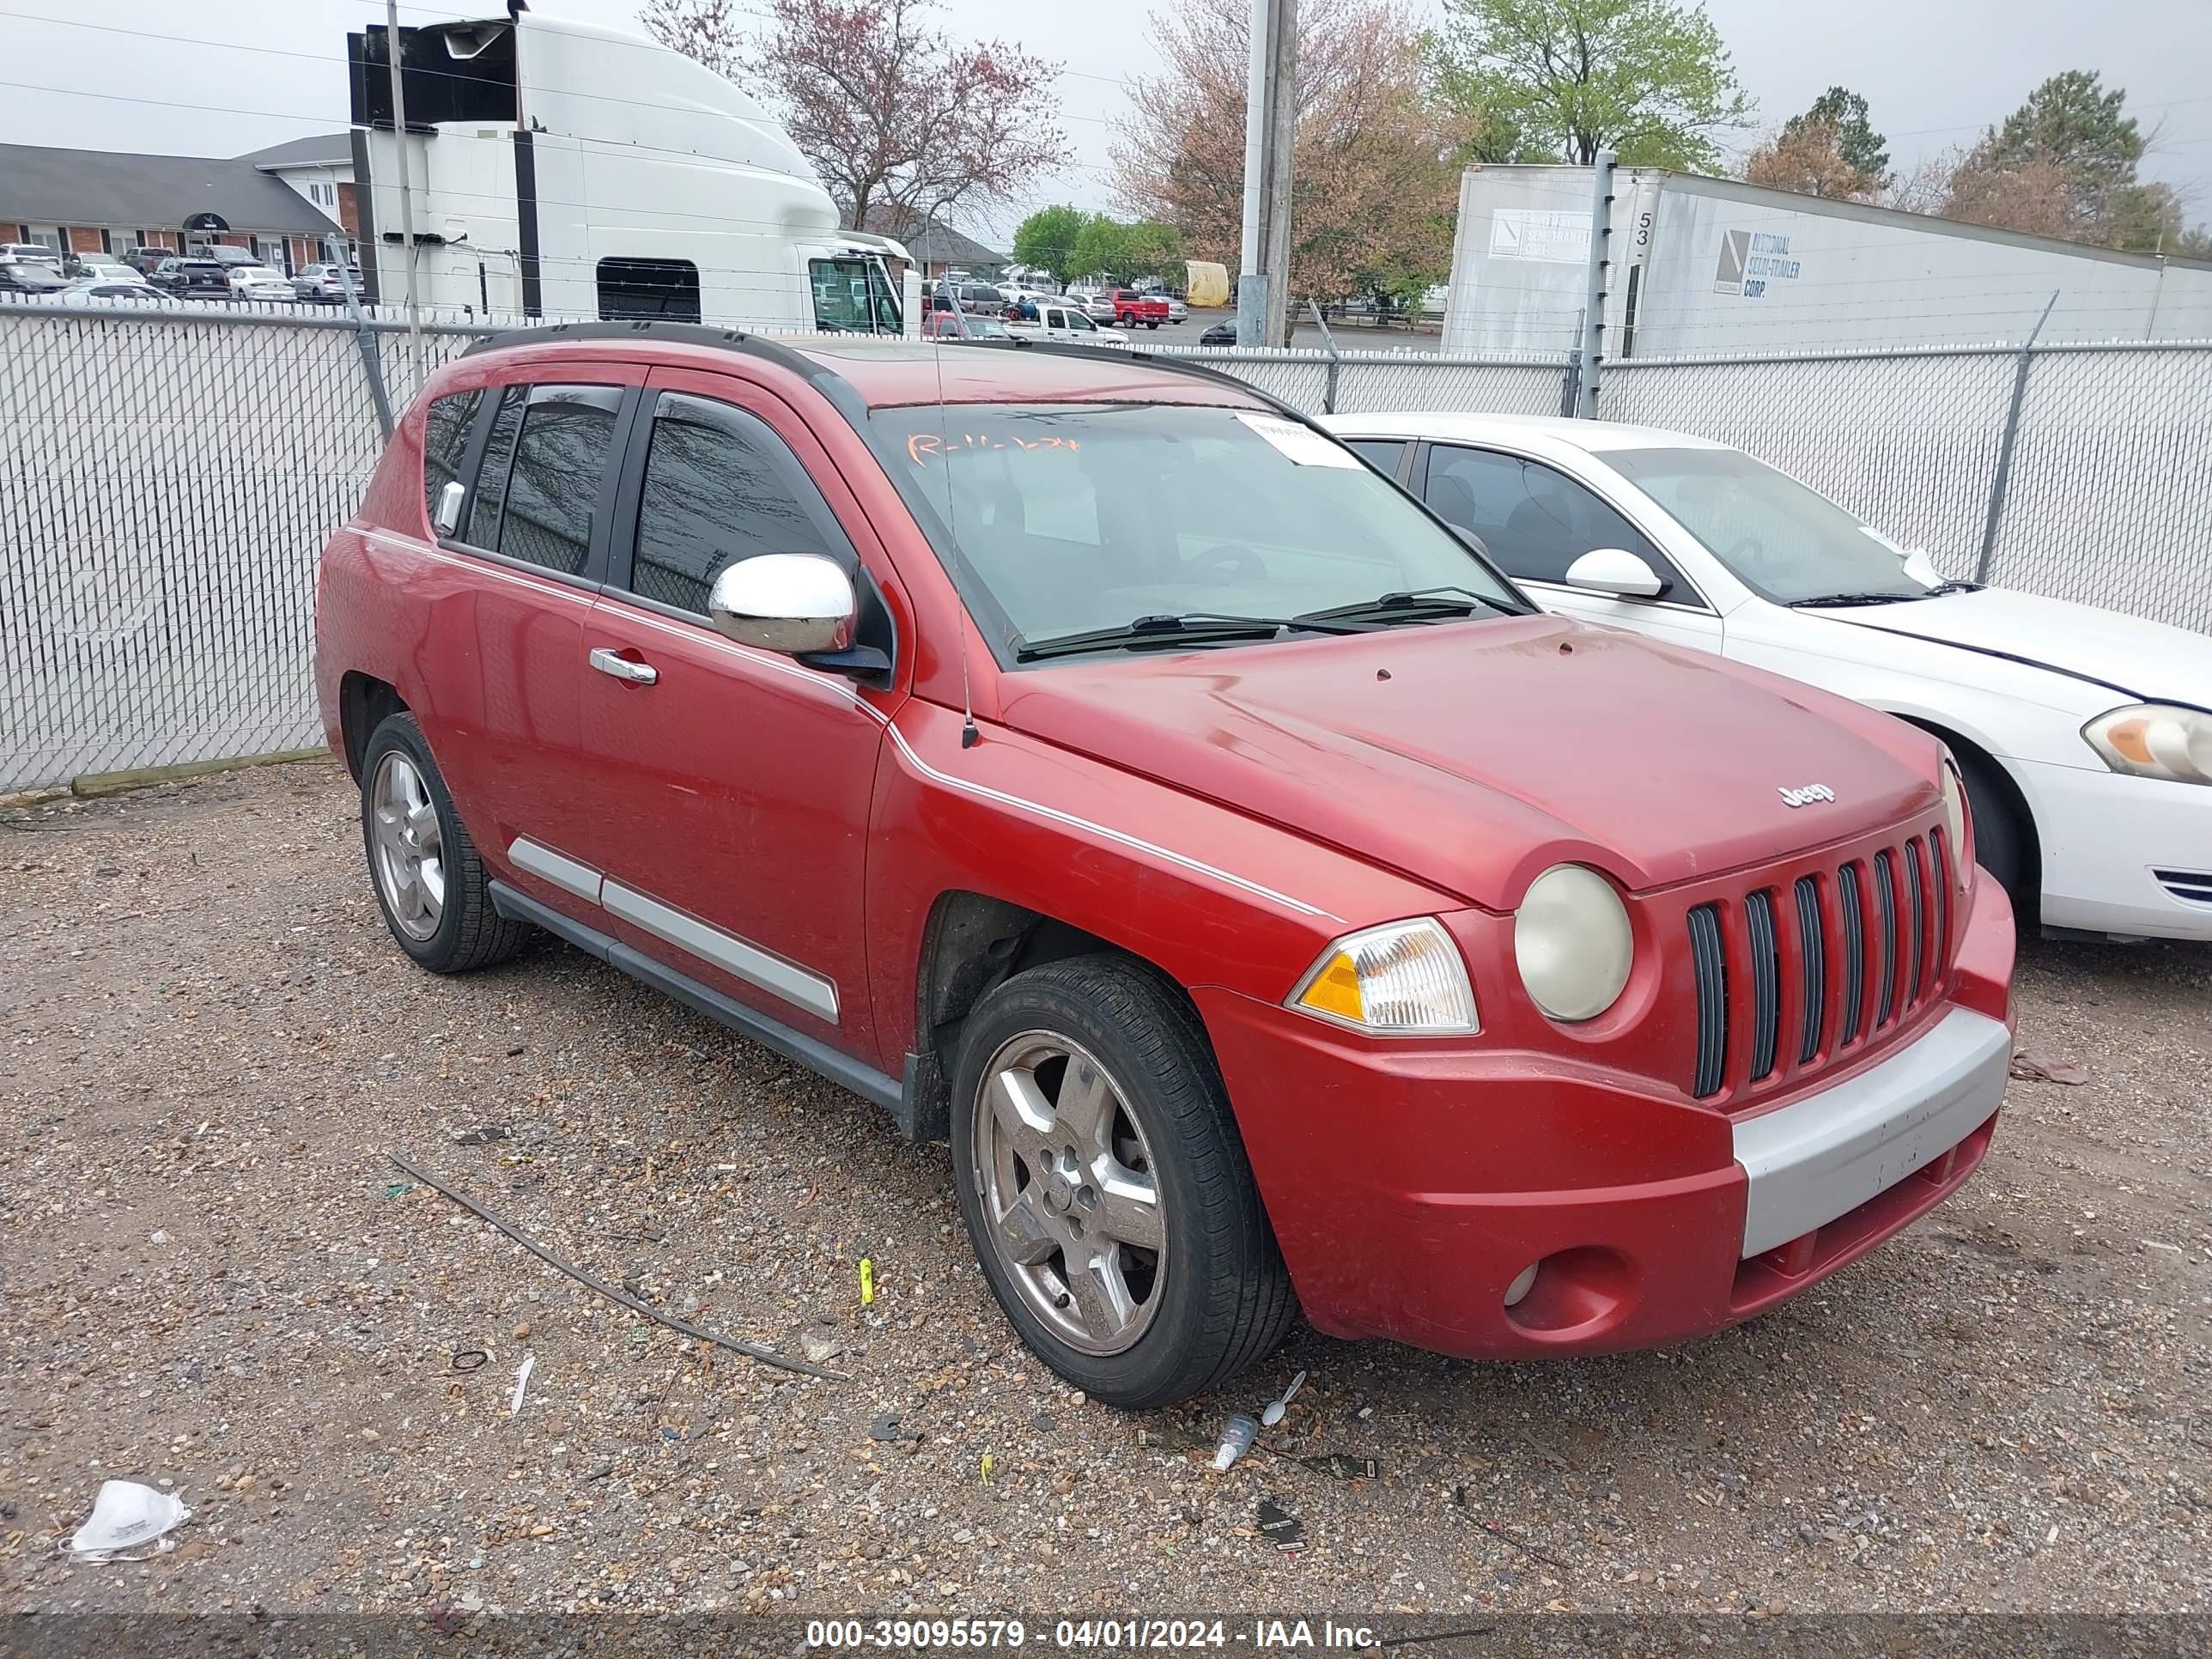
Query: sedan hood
{"points": [[1471, 756], [2145, 661]]}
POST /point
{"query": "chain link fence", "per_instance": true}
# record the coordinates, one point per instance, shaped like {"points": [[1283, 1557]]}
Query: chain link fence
{"points": [[166, 482]]}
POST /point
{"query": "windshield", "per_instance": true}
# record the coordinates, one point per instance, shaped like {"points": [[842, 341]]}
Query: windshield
{"points": [[1075, 517], [1785, 542]]}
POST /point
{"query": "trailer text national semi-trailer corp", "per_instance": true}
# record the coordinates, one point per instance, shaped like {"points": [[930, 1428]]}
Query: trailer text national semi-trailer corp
{"points": [[1708, 266], [559, 170]]}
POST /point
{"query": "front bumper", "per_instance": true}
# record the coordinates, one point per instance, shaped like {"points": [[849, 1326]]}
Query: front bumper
{"points": [[2105, 836], [1410, 1185]]}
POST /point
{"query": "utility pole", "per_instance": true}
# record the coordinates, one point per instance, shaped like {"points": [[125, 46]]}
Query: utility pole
{"points": [[1271, 116], [1601, 239], [406, 191]]}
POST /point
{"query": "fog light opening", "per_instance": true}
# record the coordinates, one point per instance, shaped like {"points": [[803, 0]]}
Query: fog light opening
{"points": [[1523, 1282]]}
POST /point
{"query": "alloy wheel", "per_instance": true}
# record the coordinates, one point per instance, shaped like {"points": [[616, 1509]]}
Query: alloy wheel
{"points": [[409, 847], [1071, 1196]]}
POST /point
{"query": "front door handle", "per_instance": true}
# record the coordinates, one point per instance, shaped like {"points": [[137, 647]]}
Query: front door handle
{"points": [[637, 673]]}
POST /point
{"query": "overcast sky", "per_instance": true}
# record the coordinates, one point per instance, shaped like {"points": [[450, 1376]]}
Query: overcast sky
{"points": [[1935, 71]]}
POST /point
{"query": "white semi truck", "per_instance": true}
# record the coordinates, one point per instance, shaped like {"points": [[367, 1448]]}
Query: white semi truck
{"points": [[555, 169], [1711, 266]]}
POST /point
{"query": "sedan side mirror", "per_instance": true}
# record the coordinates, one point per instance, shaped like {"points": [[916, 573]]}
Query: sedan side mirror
{"points": [[797, 604], [1616, 571]]}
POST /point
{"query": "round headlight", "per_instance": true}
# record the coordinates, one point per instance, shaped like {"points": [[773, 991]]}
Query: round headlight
{"points": [[1572, 943], [1954, 822]]}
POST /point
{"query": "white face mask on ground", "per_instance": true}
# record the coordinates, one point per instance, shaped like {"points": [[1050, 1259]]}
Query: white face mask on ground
{"points": [[127, 1516]]}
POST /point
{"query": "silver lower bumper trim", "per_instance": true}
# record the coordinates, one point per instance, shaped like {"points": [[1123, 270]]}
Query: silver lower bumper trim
{"points": [[1825, 1154]]}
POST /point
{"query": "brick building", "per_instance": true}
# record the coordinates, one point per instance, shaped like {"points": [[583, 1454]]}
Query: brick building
{"points": [[292, 204]]}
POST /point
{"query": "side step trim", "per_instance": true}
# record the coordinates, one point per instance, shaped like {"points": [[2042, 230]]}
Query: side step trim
{"points": [[810, 1051]]}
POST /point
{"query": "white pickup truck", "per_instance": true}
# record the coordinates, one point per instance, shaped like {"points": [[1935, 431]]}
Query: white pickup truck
{"points": [[1057, 319]]}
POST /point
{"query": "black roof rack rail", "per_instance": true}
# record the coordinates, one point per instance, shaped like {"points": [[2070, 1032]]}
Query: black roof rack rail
{"points": [[832, 385], [1136, 355]]}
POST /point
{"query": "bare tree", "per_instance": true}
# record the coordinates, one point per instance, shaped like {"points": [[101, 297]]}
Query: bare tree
{"points": [[1376, 167], [1807, 157], [903, 125]]}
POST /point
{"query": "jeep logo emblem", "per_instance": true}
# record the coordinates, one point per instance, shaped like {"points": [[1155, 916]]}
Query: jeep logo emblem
{"points": [[1806, 793]]}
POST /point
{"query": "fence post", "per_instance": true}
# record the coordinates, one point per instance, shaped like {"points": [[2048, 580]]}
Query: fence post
{"points": [[2004, 447], [1327, 339], [372, 364], [1570, 390], [1601, 239]]}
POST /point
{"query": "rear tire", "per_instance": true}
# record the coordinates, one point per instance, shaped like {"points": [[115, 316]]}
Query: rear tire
{"points": [[1105, 1186], [429, 881]]}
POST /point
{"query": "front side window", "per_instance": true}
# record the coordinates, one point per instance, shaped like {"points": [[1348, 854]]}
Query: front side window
{"points": [[1785, 542], [853, 296], [1536, 520], [445, 441], [1383, 454], [1059, 519], [720, 487]]}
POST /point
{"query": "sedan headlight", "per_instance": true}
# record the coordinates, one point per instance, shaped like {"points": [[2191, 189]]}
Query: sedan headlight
{"points": [[1573, 943], [1954, 822], [2154, 740], [1403, 979]]}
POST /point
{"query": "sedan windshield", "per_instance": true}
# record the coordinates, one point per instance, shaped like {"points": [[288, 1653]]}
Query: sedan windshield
{"points": [[1075, 519], [1781, 540]]}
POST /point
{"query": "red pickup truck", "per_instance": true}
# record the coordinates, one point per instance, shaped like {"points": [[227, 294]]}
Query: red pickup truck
{"points": [[1097, 765], [1131, 307]]}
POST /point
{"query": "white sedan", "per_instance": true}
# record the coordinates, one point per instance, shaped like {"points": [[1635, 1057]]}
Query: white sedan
{"points": [[259, 283], [2085, 736]]}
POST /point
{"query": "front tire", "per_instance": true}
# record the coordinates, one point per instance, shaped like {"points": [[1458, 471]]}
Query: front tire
{"points": [[2002, 842], [429, 881], [1105, 1188]]}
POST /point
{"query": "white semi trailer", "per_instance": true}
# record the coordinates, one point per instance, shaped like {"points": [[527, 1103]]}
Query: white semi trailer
{"points": [[556, 169], [1702, 266]]}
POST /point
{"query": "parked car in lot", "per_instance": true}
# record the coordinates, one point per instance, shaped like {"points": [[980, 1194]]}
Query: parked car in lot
{"points": [[259, 283], [1219, 334], [958, 326], [1057, 320], [29, 253], [97, 292], [192, 278], [105, 271], [144, 260], [322, 284], [1178, 311], [1133, 309], [1101, 766], [31, 279], [2085, 737]]}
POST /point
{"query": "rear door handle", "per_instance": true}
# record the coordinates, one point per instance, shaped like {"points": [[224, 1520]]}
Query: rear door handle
{"points": [[637, 673]]}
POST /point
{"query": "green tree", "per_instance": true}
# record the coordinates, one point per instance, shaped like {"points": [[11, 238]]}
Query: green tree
{"points": [[1844, 114], [2072, 120], [1102, 248], [1646, 79], [1046, 239], [1152, 248], [2063, 164]]}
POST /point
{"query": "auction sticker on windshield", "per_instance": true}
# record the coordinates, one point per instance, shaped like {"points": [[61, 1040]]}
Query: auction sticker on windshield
{"points": [[1302, 444]]}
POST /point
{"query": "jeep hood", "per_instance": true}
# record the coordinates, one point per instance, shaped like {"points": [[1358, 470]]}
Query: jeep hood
{"points": [[1473, 756]]}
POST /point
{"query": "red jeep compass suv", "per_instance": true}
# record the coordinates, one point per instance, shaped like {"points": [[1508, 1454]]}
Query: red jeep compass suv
{"points": [[1095, 763]]}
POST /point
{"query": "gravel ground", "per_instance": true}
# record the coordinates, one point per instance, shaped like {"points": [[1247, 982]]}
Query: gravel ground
{"points": [[214, 1279]]}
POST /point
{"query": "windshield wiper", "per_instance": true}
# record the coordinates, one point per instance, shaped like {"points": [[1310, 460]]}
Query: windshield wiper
{"points": [[1941, 588], [1415, 605], [1187, 627], [1855, 598]]}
